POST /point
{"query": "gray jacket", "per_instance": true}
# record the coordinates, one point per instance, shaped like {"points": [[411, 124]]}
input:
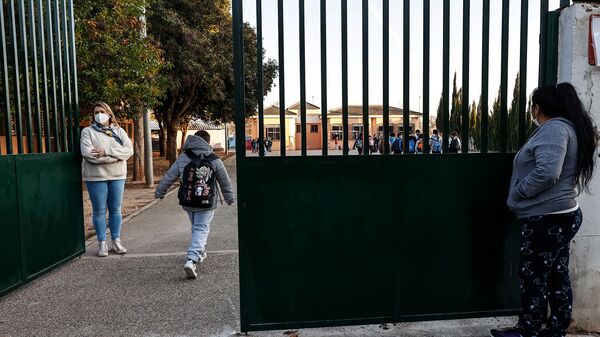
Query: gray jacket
{"points": [[544, 171], [198, 146]]}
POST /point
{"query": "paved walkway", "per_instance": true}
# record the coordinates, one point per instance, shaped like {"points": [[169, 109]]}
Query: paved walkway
{"points": [[145, 293]]}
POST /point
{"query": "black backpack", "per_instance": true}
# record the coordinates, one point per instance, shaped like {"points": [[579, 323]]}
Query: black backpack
{"points": [[397, 146], [199, 181], [453, 148]]}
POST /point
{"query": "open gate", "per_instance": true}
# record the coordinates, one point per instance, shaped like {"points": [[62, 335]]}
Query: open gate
{"points": [[41, 209], [352, 239]]}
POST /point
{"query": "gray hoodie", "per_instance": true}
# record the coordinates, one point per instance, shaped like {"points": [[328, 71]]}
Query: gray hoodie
{"points": [[198, 146], [545, 171]]}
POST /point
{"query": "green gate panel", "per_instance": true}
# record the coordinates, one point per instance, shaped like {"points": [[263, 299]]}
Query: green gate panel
{"points": [[10, 258], [51, 210], [350, 240]]}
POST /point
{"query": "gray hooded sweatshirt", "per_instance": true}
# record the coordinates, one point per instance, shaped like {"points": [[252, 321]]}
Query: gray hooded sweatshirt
{"points": [[545, 171], [198, 146]]}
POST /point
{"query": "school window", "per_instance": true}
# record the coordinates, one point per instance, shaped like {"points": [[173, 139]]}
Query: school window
{"points": [[314, 129], [356, 130], [391, 129], [337, 132], [273, 132]]}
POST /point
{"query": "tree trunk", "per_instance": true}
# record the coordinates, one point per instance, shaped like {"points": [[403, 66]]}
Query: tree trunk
{"points": [[138, 148], [162, 140], [184, 130], [171, 142]]}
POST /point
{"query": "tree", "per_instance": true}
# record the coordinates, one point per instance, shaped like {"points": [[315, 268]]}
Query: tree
{"points": [[473, 123], [494, 125], [439, 120], [456, 108], [198, 42], [115, 64]]}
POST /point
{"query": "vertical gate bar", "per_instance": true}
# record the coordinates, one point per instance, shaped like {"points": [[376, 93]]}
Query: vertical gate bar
{"points": [[27, 84], [345, 76], [504, 78], [42, 56], [565, 3], [543, 41], [386, 77], [406, 75], [36, 76], [465, 76], [57, 143], [485, 65], [61, 84], [523, 72], [324, 74], [73, 65], [446, 77], [16, 81], [67, 72], [238, 68], [259, 76], [6, 85], [302, 78], [426, 59], [365, 75], [282, 109]]}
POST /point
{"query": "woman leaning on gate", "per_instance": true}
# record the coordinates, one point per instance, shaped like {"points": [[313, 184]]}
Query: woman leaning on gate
{"points": [[105, 148], [549, 171]]}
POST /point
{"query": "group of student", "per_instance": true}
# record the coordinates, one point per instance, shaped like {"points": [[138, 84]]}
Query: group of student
{"points": [[415, 143]]}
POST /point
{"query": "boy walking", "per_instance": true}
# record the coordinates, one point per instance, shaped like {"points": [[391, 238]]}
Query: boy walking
{"points": [[199, 170]]}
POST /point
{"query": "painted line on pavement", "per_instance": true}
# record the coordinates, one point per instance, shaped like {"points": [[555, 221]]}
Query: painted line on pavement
{"points": [[133, 255]]}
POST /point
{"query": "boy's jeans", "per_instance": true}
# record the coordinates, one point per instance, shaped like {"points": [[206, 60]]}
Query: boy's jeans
{"points": [[106, 194], [200, 228]]}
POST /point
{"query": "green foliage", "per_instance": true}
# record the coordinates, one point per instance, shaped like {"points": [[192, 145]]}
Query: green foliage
{"points": [[456, 109], [115, 63], [197, 38], [439, 120], [475, 130]]}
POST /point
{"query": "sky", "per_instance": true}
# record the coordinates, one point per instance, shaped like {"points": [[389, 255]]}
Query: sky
{"points": [[334, 73]]}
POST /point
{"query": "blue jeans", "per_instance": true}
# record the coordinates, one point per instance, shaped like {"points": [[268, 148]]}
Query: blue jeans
{"points": [[200, 229], [106, 194]]}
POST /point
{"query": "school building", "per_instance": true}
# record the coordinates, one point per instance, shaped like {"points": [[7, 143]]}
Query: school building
{"points": [[314, 127]]}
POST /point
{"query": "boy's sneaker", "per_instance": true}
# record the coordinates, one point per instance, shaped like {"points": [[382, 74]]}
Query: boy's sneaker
{"points": [[512, 332], [190, 269], [202, 257]]}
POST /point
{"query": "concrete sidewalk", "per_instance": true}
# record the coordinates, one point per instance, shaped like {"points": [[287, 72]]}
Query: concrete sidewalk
{"points": [[145, 292]]}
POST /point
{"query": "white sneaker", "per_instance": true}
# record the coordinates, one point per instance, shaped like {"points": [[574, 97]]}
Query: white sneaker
{"points": [[202, 257], [117, 247], [190, 269], [102, 249]]}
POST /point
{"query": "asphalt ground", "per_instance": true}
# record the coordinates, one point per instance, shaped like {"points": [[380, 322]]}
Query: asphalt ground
{"points": [[145, 292]]}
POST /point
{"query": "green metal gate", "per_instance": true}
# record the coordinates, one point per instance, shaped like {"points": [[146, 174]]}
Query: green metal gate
{"points": [[323, 243], [41, 209]]}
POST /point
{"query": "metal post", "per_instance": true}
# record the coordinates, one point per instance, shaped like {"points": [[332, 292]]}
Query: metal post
{"points": [[148, 162], [148, 165]]}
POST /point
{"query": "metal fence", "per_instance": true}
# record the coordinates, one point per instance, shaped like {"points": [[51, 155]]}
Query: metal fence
{"points": [[39, 88], [336, 240], [41, 208]]}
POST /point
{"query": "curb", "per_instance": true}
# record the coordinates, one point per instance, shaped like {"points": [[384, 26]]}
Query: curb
{"points": [[92, 239]]}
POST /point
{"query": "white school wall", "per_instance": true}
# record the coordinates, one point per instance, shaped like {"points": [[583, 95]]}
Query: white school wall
{"points": [[573, 67]]}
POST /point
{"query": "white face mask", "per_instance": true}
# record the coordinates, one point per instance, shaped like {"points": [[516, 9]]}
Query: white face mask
{"points": [[101, 118], [536, 122]]}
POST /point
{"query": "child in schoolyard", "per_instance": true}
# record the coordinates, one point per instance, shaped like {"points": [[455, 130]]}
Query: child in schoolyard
{"points": [[199, 170]]}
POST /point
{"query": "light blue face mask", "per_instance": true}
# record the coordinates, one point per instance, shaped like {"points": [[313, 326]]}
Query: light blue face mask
{"points": [[536, 122]]}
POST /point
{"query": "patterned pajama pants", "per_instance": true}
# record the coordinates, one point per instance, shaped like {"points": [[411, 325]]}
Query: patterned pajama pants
{"points": [[544, 272]]}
